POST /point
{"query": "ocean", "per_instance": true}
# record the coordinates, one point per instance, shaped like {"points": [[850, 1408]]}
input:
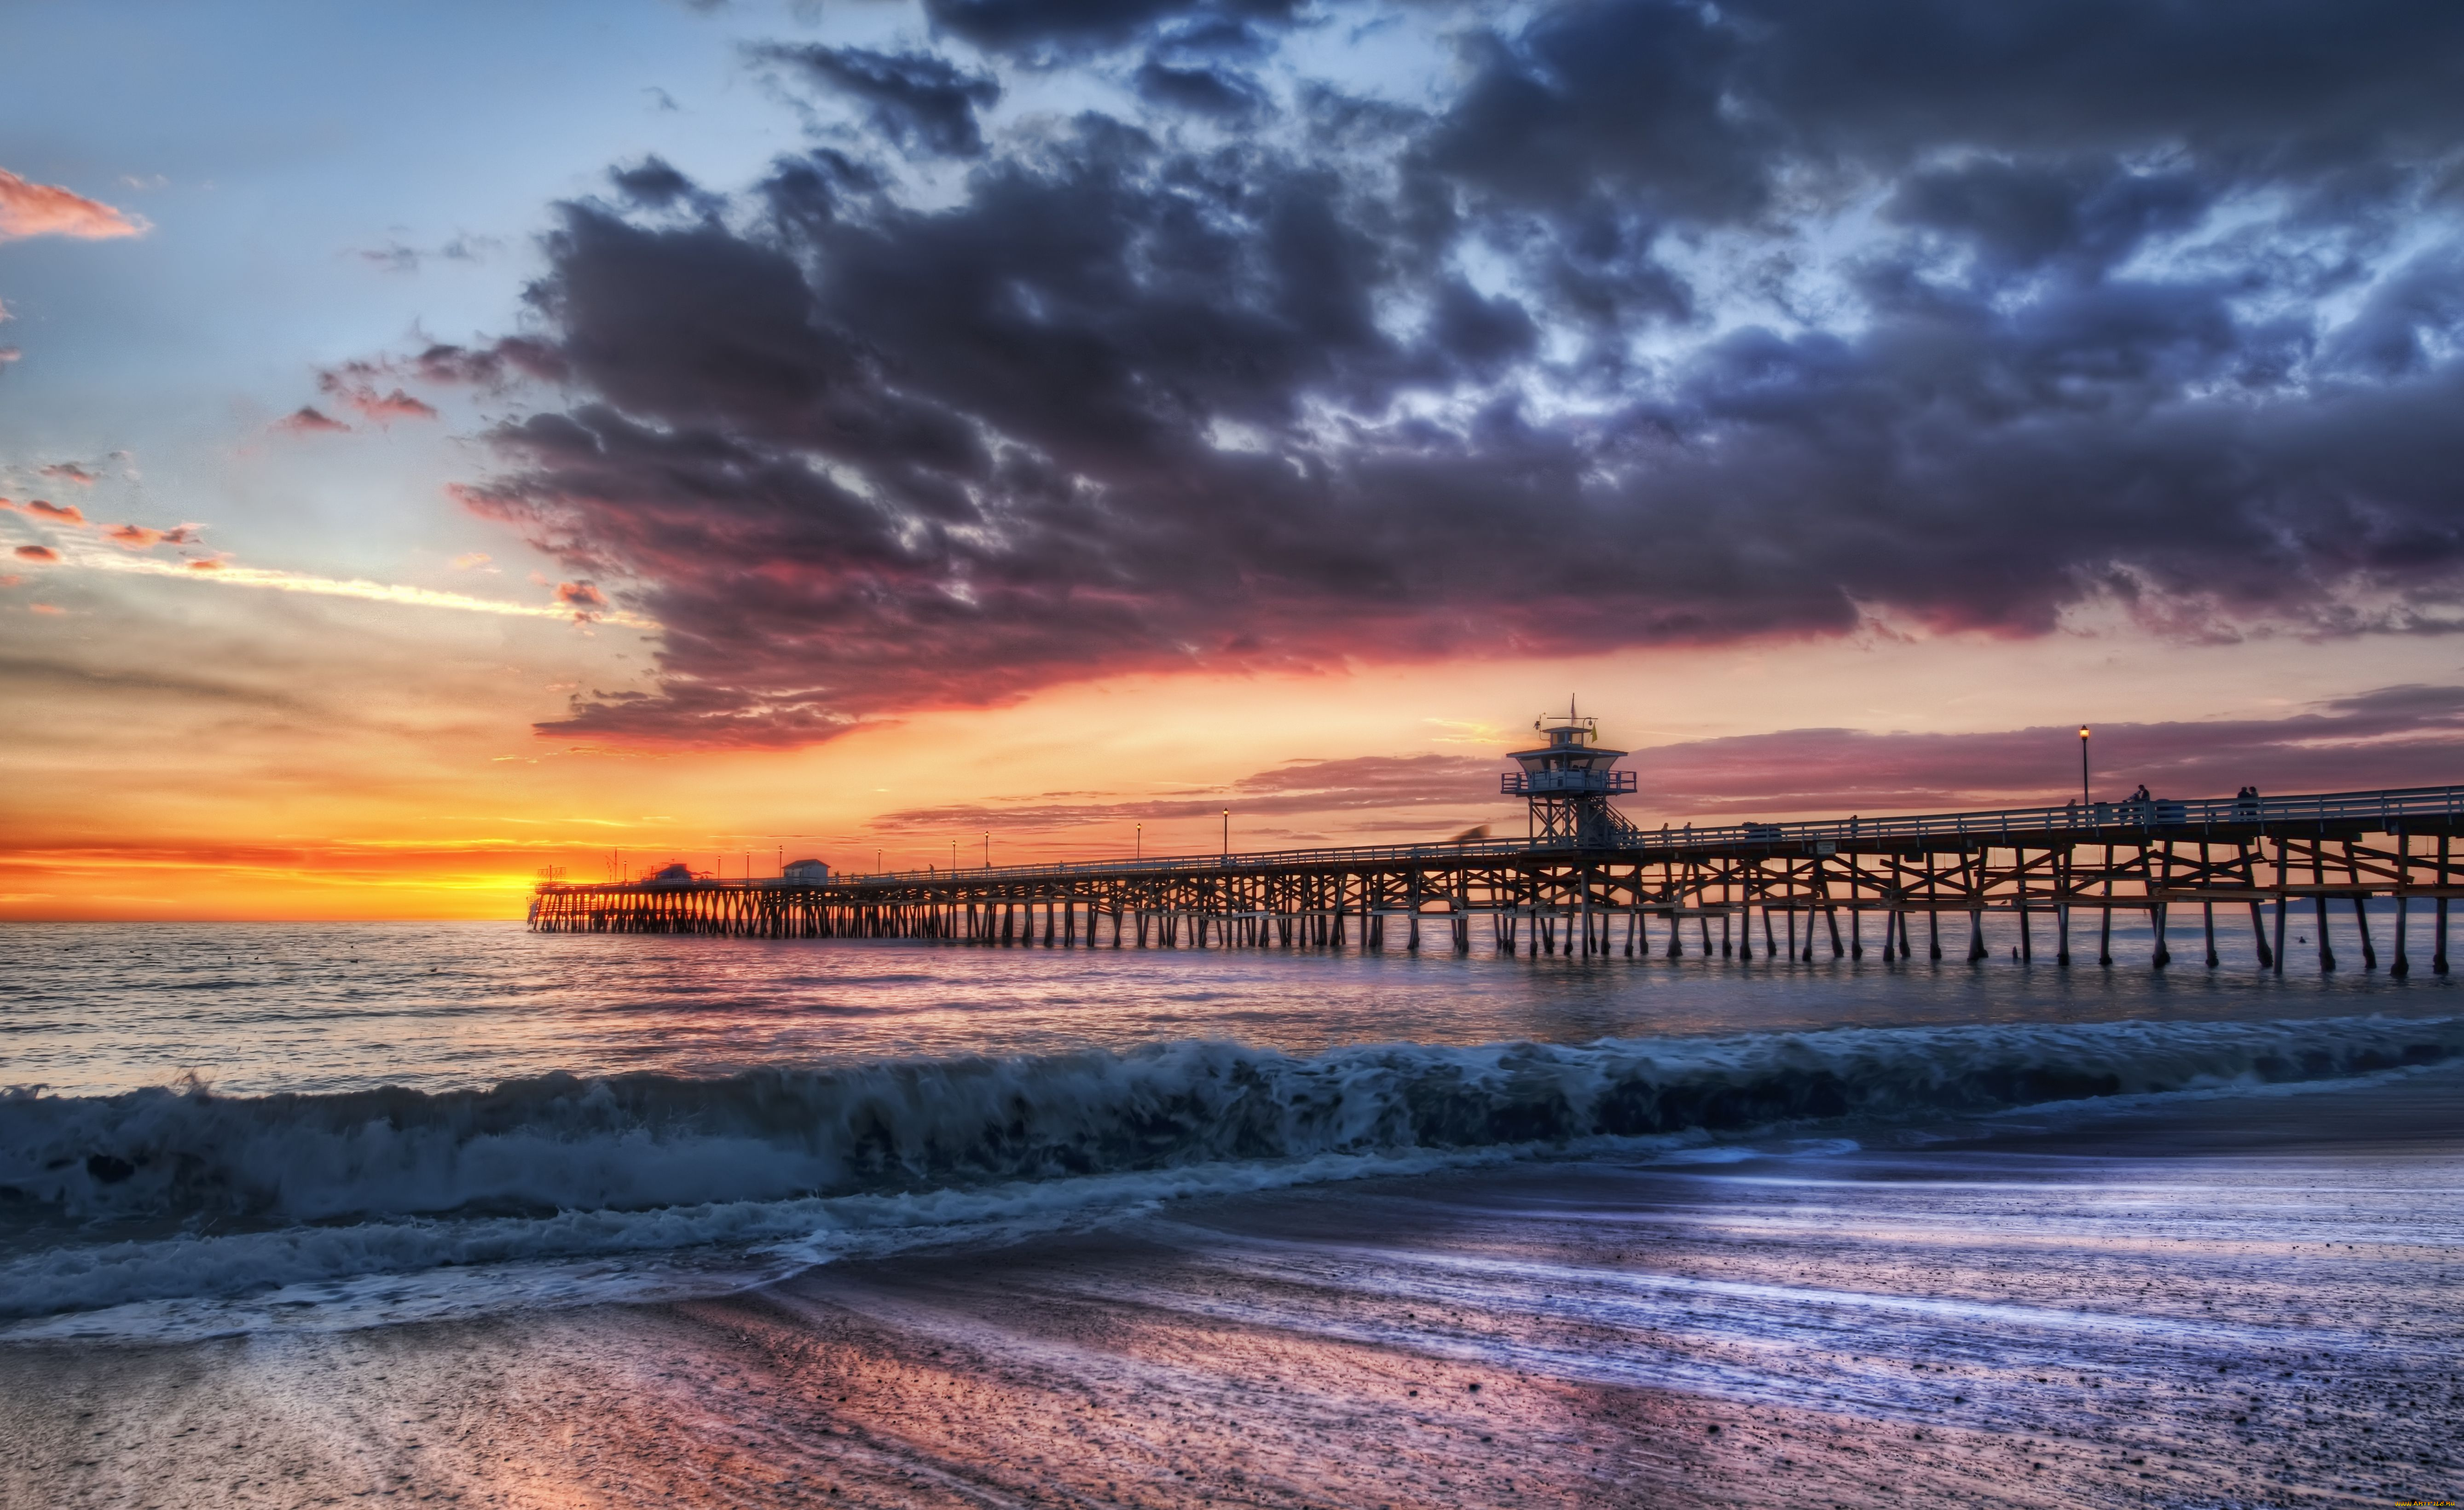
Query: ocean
{"points": [[299, 1214]]}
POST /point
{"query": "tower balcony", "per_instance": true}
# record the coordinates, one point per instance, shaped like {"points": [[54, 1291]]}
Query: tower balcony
{"points": [[1565, 783]]}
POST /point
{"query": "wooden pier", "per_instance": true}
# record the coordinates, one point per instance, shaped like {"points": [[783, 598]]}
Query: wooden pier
{"points": [[1742, 890]]}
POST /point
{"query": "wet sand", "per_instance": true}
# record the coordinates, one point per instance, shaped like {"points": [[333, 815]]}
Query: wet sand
{"points": [[2249, 1301]]}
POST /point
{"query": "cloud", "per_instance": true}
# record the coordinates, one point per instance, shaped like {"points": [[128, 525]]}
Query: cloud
{"points": [[396, 257], [2399, 735], [1200, 90], [41, 553], [133, 537], [45, 607], [69, 471], [470, 559], [1357, 784], [583, 597], [1064, 27], [351, 384], [61, 513], [9, 581], [221, 571], [385, 407], [307, 420], [652, 182], [1652, 324], [2391, 737], [42, 210], [915, 99]]}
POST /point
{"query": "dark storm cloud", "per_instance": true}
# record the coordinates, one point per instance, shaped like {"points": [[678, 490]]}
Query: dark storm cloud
{"points": [[1065, 26], [1201, 90], [650, 182], [913, 99], [2137, 312]]}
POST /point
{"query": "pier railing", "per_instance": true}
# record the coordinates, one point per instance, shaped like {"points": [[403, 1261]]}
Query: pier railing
{"points": [[2182, 818]]}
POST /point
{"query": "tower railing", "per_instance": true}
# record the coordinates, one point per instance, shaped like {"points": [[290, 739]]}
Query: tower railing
{"points": [[1543, 783]]}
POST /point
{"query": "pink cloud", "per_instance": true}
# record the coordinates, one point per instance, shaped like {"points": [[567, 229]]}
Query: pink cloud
{"points": [[583, 597], [2401, 736], [45, 607], [9, 581], [38, 554], [63, 513], [209, 564], [470, 559], [354, 384], [387, 408], [135, 536], [44, 209], [308, 419], [69, 471]]}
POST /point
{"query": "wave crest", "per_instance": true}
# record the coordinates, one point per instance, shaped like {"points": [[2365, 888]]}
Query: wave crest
{"points": [[633, 1142]]}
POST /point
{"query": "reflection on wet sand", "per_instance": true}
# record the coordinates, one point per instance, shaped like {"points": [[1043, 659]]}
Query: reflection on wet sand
{"points": [[2183, 1305]]}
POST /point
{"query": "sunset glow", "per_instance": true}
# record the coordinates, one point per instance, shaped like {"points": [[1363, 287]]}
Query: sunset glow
{"points": [[556, 504]]}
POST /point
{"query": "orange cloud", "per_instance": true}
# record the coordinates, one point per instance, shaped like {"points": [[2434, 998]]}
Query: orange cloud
{"points": [[209, 564], [470, 559], [580, 595], [45, 607], [9, 581], [69, 471], [308, 419], [135, 536], [38, 554], [44, 209], [65, 513]]}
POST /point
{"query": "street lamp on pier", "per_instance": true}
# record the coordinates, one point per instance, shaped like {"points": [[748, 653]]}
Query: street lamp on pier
{"points": [[2086, 800]]}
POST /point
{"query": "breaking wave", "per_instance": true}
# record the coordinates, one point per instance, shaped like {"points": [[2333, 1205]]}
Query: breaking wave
{"points": [[281, 1189]]}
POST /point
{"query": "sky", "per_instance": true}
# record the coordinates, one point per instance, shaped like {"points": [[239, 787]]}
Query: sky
{"points": [[441, 444]]}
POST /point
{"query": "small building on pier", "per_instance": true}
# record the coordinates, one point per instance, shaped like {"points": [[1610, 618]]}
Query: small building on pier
{"points": [[1568, 782]]}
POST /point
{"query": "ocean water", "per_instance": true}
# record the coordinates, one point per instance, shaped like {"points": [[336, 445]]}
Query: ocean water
{"points": [[296, 1213]]}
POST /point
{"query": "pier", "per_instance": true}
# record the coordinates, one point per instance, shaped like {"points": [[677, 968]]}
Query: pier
{"points": [[1589, 882]]}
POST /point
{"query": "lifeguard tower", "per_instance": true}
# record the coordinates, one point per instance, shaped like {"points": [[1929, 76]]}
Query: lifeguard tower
{"points": [[1568, 782]]}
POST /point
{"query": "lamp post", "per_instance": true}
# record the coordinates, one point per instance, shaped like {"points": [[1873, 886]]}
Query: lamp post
{"points": [[1227, 834], [1138, 844], [988, 848], [2086, 800]]}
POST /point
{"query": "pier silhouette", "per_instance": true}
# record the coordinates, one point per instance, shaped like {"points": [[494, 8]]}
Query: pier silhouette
{"points": [[1588, 881]]}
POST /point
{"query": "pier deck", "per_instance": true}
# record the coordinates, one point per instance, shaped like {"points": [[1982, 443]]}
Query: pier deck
{"points": [[2043, 865]]}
